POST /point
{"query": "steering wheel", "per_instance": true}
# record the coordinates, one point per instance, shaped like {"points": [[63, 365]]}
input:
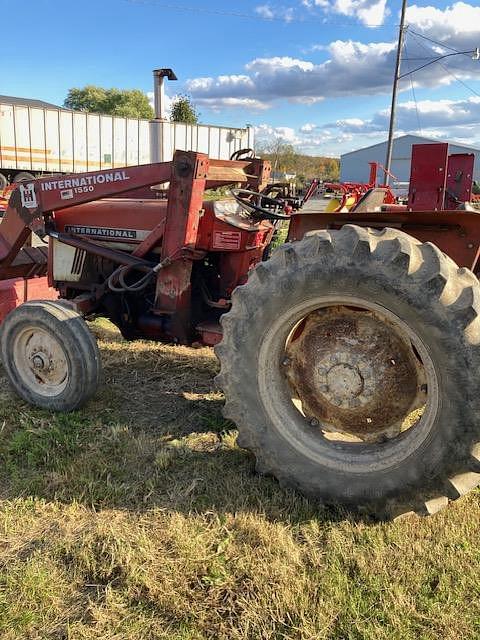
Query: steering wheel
{"points": [[243, 154], [256, 208]]}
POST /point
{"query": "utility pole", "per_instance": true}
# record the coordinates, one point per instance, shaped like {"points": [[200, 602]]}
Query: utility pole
{"points": [[401, 35]]}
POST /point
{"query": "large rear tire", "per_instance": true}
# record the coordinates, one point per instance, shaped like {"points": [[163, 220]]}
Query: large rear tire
{"points": [[50, 357], [348, 363]]}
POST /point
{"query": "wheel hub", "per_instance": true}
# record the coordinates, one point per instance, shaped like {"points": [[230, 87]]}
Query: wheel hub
{"points": [[41, 361], [343, 384], [354, 373]]}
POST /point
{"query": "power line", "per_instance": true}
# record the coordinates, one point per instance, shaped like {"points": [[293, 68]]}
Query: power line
{"points": [[431, 62], [287, 19], [476, 93], [440, 44], [418, 59]]}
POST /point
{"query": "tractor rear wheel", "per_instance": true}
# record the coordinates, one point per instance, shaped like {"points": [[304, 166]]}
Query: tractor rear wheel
{"points": [[348, 363], [50, 357]]}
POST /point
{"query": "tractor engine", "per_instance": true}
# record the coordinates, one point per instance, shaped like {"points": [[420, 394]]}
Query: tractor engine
{"points": [[229, 244]]}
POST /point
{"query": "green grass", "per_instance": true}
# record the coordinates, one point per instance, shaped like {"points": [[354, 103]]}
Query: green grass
{"points": [[139, 518]]}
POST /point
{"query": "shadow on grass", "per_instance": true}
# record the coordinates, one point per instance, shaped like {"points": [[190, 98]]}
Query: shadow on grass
{"points": [[153, 437]]}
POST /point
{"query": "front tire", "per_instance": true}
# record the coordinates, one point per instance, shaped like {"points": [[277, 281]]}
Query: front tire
{"points": [[23, 176], [50, 357], [348, 364]]}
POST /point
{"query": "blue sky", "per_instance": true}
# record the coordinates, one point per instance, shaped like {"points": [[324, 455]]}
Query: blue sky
{"points": [[316, 73]]}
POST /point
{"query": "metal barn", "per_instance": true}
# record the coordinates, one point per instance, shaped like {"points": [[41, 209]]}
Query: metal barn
{"points": [[354, 166]]}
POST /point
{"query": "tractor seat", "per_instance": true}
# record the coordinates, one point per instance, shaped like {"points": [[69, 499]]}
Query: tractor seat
{"points": [[370, 201]]}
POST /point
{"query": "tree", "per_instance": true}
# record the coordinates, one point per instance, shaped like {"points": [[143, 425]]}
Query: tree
{"points": [[332, 167], [281, 154], [127, 103], [183, 110], [284, 158]]}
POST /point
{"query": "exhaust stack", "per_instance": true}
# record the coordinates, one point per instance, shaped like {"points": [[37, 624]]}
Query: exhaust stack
{"points": [[159, 76]]}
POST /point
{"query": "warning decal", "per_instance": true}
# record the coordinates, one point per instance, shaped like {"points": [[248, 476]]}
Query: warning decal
{"points": [[227, 239]]}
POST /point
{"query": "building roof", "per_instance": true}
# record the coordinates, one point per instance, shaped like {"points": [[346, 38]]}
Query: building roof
{"points": [[411, 136], [28, 102]]}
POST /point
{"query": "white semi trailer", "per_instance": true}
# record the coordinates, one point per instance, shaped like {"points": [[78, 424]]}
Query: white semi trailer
{"points": [[36, 140]]}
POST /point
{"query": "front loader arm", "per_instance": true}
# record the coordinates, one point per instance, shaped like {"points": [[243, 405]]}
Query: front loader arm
{"points": [[30, 202]]}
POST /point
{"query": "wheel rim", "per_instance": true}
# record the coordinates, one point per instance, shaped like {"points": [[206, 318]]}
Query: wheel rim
{"points": [[41, 361], [341, 378], [363, 380]]}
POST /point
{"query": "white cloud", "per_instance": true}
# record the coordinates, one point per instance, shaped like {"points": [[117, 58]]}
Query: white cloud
{"points": [[308, 100], [457, 120], [458, 23], [265, 132], [308, 127], [168, 101], [370, 13], [323, 4], [265, 11], [309, 138], [234, 82], [436, 117], [269, 12], [350, 68], [266, 135], [355, 123], [260, 65], [216, 104]]}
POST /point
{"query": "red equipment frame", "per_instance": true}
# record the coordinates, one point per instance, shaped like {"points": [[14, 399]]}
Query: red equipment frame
{"points": [[438, 180], [456, 233]]}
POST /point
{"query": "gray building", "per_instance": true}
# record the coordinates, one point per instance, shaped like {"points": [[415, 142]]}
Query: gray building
{"points": [[354, 166], [28, 102]]}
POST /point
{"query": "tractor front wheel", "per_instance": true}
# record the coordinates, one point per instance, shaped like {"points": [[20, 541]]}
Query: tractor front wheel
{"points": [[50, 356], [348, 364]]}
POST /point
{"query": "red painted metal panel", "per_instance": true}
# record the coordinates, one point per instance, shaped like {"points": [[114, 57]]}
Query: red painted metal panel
{"points": [[17, 290], [185, 203], [428, 177], [38, 289], [456, 233], [139, 215], [459, 179]]}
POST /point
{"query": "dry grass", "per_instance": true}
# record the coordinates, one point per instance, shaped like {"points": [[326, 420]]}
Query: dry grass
{"points": [[139, 518]]}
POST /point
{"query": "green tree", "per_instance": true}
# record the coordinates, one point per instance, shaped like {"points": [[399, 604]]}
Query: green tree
{"points": [[127, 103], [183, 110], [332, 167], [281, 154], [284, 158]]}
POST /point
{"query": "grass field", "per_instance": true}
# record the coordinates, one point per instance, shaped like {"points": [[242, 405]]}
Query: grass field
{"points": [[139, 518]]}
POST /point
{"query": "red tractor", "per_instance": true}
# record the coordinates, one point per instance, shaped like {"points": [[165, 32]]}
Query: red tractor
{"points": [[347, 355]]}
